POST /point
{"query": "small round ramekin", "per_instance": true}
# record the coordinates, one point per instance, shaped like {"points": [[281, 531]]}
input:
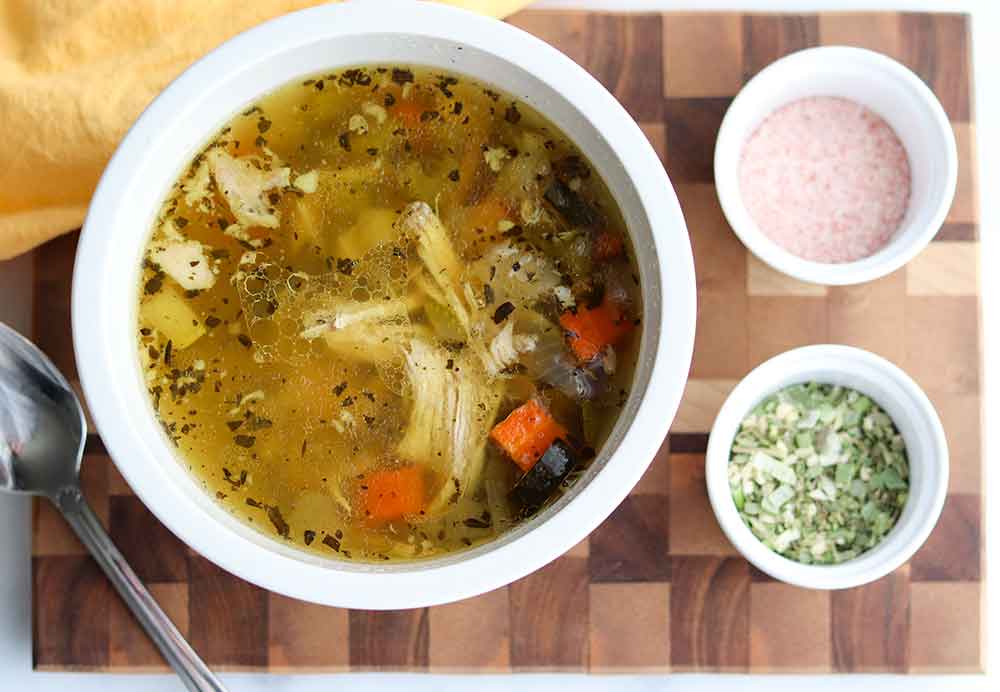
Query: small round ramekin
{"points": [[890, 90], [910, 409]]}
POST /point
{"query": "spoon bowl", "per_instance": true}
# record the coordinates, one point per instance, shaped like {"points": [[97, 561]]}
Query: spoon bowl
{"points": [[42, 426]]}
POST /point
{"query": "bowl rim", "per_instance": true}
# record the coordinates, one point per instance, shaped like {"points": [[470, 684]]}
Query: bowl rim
{"points": [[766, 250], [437, 583], [897, 547]]}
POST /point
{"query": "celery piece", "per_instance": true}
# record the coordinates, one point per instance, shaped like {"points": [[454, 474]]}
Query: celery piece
{"points": [[739, 498], [844, 474], [819, 473]]}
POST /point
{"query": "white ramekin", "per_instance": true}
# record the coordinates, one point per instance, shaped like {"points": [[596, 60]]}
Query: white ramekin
{"points": [[886, 87], [904, 402], [222, 83]]}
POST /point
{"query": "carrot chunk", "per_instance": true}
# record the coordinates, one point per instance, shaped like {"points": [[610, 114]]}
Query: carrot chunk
{"points": [[590, 330], [607, 245], [391, 494], [409, 111], [526, 433], [487, 214], [468, 166]]}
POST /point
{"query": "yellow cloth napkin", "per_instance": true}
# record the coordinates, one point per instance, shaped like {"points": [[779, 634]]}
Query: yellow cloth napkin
{"points": [[75, 74]]}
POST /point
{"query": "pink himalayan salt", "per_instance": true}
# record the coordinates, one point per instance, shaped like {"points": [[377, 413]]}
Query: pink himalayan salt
{"points": [[826, 179]]}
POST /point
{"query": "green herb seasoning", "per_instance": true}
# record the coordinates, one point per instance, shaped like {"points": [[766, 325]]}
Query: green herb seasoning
{"points": [[819, 473]]}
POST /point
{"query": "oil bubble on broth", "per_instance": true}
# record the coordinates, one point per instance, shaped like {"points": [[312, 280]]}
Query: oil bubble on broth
{"points": [[387, 313]]}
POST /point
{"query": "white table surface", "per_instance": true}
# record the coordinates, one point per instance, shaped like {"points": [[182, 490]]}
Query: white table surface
{"points": [[15, 578]]}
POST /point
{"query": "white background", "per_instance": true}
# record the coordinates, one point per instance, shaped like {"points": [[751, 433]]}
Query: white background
{"points": [[15, 583]]}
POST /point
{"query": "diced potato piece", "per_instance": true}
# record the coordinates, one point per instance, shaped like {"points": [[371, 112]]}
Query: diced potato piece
{"points": [[418, 184], [307, 222], [375, 111], [357, 177], [307, 182], [314, 225], [532, 145], [374, 226], [169, 313], [314, 509], [185, 262]]}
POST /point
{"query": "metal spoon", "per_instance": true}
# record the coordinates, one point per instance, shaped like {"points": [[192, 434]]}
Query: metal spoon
{"points": [[42, 435]]}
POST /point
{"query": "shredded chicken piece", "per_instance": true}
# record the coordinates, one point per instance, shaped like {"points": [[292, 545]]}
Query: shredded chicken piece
{"points": [[449, 419], [358, 124], [520, 275], [377, 344], [197, 190], [532, 277], [437, 253], [244, 183], [506, 349], [351, 313], [494, 158], [373, 333], [565, 297]]}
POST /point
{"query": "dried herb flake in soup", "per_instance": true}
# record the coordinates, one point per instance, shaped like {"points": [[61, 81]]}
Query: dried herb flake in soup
{"points": [[819, 473]]}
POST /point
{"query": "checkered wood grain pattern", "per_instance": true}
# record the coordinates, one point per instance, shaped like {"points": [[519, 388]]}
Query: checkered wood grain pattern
{"points": [[656, 587]]}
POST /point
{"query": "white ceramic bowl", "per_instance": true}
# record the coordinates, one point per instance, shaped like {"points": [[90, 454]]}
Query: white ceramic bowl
{"points": [[884, 86], [191, 110], [904, 402]]}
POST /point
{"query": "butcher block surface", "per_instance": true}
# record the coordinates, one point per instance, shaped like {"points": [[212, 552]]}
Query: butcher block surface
{"points": [[656, 588]]}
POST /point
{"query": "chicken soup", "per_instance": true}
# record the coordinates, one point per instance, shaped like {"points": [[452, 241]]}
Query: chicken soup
{"points": [[387, 313]]}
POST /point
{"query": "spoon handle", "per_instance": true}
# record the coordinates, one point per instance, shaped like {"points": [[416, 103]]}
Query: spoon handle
{"points": [[179, 654]]}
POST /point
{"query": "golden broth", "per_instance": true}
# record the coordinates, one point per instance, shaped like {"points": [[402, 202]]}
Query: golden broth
{"points": [[329, 355]]}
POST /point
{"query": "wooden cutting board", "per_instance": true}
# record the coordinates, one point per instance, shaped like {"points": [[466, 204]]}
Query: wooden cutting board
{"points": [[656, 587]]}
